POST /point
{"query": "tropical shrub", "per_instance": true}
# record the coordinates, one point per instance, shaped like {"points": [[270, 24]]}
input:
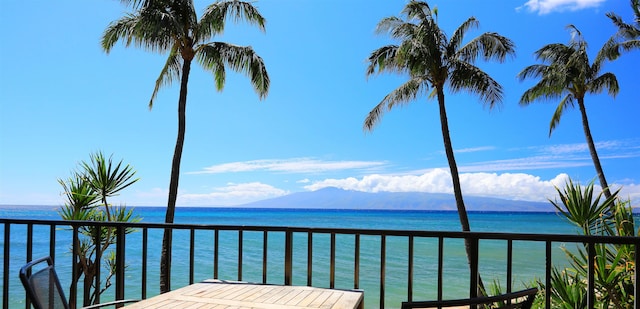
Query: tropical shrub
{"points": [[613, 264], [86, 192]]}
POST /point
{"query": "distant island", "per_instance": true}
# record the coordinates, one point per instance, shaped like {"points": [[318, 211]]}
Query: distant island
{"points": [[334, 198]]}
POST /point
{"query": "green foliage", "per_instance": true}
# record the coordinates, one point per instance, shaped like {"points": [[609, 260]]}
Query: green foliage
{"points": [[581, 208], [86, 193], [568, 291], [613, 264]]}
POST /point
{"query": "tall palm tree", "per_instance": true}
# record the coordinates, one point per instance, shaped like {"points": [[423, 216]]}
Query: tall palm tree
{"points": [[628, 36], [173, 26], [569, 76], [433, 61]]}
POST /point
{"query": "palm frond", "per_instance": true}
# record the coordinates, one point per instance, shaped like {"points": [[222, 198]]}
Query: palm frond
{"points": [[468, 77], [389, 25], [404, 94], [490, 45], [152, 28], [383, 59], [216, 55], [418, 11], [455, 43], [565, 103], [215, 15], [605, 81], [170, 72], [120, 29], [548, 88]]}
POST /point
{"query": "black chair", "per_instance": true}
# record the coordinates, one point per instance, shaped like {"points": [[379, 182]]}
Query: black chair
{"points": [[516, 300], [43, 286]]}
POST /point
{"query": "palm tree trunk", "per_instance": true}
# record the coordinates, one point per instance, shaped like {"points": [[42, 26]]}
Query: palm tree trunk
{"points": [[592, 149], [448, 148], [457, 190], [165, 260]]}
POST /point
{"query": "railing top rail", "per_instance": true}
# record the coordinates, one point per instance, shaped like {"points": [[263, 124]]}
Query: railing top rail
{"points": [[416, 233]]}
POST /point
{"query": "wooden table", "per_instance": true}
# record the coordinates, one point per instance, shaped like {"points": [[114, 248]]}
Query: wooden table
{"points": [[232, 294]]}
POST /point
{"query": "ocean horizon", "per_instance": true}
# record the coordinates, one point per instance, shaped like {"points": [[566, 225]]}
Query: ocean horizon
{"points": [[527, 266]]}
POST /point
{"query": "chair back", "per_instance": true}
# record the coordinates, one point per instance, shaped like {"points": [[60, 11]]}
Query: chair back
{"points": [[42, 285], [516, 300]]}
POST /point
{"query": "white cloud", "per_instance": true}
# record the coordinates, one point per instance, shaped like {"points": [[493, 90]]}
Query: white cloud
{"points": [[514, 186], [560, 156], [475, 149], [528, 163], [232, 194], [583, 148], [295, 165], [548, 6]]}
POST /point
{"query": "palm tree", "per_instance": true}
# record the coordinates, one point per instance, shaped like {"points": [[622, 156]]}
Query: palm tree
{"points": [[569, 76], [628, 36], [172, 26], [433, 61]]}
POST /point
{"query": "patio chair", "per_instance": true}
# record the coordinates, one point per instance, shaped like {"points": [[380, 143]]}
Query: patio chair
{"points": [[43, 287], [515, 300]]}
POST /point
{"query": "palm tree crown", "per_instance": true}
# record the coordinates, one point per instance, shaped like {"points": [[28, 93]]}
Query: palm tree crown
{"points": [[432, 60], [172, 26]]}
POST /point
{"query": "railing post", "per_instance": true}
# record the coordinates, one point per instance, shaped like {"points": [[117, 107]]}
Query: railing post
{"points": [[98, 252], [120, 263], [73, 290], [216, 247], [145, 236], [5, 268], [356, 262], [636, 248], [240, 247], [591, 296], [192, 236], [547, 280], [383, 266], [265, 255], [288, 256], [473, 267], [309, 258], [410, 270], [440, 266], [332, 262]]}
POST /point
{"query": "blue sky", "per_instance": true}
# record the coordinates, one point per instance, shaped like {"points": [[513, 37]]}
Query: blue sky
{"points": [[62, 98]]}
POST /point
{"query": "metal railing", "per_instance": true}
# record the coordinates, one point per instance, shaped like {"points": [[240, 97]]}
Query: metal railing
{"points": [[408, 262]]}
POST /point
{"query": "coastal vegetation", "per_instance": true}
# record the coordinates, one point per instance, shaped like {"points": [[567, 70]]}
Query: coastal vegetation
{"points": [[614, 265], [173, 27], [86, 192]]}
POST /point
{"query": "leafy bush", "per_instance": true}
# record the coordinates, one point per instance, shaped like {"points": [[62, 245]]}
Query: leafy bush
{"points": [[86, 192], [614, 265]]}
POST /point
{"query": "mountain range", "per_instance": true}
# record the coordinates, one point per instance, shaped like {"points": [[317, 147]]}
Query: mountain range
{"points": [[334, 198]]}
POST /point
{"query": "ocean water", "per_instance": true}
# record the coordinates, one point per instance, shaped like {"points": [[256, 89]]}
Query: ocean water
{"points": [[528, 257]]}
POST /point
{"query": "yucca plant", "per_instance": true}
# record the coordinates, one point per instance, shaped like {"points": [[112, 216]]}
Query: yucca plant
{"points": [[86, 193], [613, 264]]}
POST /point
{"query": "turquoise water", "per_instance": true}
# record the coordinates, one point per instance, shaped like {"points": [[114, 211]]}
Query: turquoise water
{"points": [[528, 257]]}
